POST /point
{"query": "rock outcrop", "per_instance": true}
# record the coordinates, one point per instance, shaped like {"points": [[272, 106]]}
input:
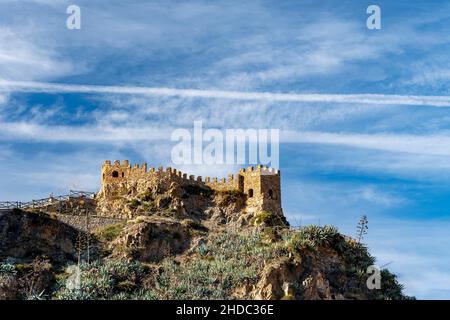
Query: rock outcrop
{"points": [[150, 239], [25, 236]]}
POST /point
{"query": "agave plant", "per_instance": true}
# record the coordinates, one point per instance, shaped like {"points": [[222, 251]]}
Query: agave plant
{"points": [[7, 268]]}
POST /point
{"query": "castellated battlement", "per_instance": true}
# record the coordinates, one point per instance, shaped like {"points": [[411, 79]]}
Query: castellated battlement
{"points": [[260, 184]]}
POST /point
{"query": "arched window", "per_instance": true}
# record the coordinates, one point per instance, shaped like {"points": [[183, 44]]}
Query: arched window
{"points": [[250, 193], [270, 194], [115, 174], [123, 174]]}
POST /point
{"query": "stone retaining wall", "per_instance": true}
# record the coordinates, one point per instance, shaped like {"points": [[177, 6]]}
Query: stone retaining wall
{"points": [[79, 221]]}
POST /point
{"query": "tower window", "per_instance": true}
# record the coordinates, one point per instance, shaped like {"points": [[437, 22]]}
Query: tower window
{"points": [[250, 193], [270, 194], [115, 174], [123, 174]]}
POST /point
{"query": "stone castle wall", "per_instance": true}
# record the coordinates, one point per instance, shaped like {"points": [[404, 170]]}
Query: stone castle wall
{"points": [[261, 185], [79, 221]]}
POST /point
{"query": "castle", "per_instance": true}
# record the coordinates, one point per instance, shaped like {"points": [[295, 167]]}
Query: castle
{"points": [[260, 185]]}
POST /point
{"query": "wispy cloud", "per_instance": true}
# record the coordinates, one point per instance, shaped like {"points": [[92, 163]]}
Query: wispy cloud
{"points": [[85, 134], [408, 143], [438, 145], [378, 99], [23, 59]]}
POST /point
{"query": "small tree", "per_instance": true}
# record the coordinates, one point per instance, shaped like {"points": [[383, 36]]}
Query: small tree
{"points": [[362, 227]]}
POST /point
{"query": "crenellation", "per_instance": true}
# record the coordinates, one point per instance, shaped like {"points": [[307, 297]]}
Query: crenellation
{"points": [[261, 186]]}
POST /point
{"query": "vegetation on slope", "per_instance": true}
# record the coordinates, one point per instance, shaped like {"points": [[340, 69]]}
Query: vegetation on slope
{"points": [[228, 261]]}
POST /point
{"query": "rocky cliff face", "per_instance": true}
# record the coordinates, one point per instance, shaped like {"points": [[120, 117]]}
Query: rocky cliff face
{"points": [[151, 239], [184, 244], [33, 247], [25, 235]]}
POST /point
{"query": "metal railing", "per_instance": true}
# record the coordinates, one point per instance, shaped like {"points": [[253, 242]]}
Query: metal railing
{"points": [[40, 203]]}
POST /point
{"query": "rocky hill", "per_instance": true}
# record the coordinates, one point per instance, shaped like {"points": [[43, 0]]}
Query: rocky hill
{"points": [[182, 244]]}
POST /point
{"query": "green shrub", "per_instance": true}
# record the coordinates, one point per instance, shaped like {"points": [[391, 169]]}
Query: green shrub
{"points": [[134, 203], [125, 286], [312, 238], [230, 196], [145, 295], [297, 243], [391, 289], [321, 236], [149, 207], [111, 232], [146, 196], [23, 267], [107, 280], [266, 218], [202, 249], [229, 260]]}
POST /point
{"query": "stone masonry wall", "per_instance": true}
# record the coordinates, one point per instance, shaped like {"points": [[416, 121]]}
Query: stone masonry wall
{"points": [[79, 221]]}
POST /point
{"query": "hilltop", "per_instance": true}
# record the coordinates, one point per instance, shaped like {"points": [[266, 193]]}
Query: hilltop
{"points": [[180, 239]]}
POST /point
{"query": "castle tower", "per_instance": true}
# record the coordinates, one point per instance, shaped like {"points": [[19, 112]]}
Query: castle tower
{"points": [[113, 174], [263, 189]]}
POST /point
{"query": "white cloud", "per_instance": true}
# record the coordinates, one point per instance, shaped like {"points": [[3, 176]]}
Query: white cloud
{"points": [[3, 99], [86, 134], [373, 195], [378, 99], [21, 59], [416, 144], [407, 143]]}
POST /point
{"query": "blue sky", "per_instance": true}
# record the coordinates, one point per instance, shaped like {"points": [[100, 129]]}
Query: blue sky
{"points": [[338, 159]]}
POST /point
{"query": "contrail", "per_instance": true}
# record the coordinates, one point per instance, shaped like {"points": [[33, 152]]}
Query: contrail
{"points": [[379, 99]]}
